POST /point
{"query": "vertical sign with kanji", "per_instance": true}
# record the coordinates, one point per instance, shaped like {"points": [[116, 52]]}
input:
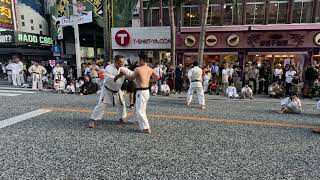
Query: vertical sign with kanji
{"points": [[6, 14]]}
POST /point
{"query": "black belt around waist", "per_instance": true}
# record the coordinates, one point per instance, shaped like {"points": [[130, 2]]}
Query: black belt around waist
{"points": [[195, 81], [114, 92], [35, 73], [142, 89]]}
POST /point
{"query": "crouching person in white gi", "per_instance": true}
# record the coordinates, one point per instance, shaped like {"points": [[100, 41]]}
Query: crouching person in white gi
{"points": [[37, 71], [291, 104], [195, 77], [111, 93], [142, 76]]}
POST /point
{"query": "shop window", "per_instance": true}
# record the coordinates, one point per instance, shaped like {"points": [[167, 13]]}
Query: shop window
{"points": [[278, 12], [31, 21], [22, 17], [255, 12], [214, 16], [32, 28], [302, 11], [23, 24]]}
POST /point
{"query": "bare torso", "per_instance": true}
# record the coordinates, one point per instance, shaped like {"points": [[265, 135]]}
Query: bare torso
{"points": [[143, 76]]}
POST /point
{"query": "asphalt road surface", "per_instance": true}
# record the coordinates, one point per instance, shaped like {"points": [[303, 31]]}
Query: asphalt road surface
{"points": [[44, 135]]}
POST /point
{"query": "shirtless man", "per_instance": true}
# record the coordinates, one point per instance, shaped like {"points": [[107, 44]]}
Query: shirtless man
{"points": [[142, 75]]}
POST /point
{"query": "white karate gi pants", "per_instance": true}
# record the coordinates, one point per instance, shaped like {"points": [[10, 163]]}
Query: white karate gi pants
{"points": [[10, 78], [293, 108], [21, 76], [37, 82], [205, 86], [194, 86], [16, 79], [140, 115], [106, 98], [235, 95]]}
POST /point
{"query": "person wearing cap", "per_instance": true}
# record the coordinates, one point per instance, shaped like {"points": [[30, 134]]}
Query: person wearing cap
{"points": [[179, 78], [291, 104], [195, 78]]}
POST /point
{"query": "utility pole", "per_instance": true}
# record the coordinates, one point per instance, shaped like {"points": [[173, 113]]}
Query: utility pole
{"points": [[106, 31], [76, 38]]}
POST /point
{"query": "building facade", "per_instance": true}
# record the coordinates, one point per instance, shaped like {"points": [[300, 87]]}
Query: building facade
{"points": [[239, 31]]}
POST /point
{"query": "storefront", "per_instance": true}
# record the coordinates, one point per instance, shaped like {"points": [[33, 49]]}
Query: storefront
{"points": [[26, 46], [156, 41], [273, 44]]}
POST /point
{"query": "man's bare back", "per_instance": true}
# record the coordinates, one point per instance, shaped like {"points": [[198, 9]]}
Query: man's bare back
{"points": [[143, 74]]}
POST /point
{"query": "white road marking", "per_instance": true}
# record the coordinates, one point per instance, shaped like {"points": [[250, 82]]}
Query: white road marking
{"points": [[10, 121], [22, 92], [11, 88], [9, 94]]}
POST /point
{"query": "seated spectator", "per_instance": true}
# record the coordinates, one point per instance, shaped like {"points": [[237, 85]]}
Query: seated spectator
{"points": [[231, 92], [291, 104], [246, 92], [71, 88], [165, 89], [275, 90], [88, 87], [213, 87], [59, 86], [154, 89], [79, 83]]}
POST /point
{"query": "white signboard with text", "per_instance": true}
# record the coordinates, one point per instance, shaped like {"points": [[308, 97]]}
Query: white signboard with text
{"points": [[141, 38], [82, 19]]}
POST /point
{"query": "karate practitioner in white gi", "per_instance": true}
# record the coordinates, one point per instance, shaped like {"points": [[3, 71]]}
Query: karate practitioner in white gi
{"points": [[291, 104], [111, 93], [15, 71], [21, 75], [142, 76], [231, 91], [37, 71], [195, 77]]}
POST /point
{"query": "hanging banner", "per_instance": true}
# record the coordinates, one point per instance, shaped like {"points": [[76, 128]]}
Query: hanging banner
{"points": [[6, 14], [82, 19]]}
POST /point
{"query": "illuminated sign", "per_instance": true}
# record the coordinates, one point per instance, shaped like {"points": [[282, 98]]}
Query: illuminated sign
{"points": [[32, 39], [6, 37], [6, 14]]}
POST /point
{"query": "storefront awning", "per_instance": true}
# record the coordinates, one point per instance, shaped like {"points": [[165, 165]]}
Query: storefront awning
{"points": [[39, 52]]}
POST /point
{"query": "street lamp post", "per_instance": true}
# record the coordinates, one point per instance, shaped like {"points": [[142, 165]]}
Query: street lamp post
{"points": [[76, 38]]}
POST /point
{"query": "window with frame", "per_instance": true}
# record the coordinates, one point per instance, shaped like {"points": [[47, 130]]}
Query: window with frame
{"points": [[31, 21], [302, 11], [214, 15], [22, 17], [278, 11], [32, 28], [255, 12], [40, 26], [233, 12], [23, 24], [191, 16], [317, 20]]}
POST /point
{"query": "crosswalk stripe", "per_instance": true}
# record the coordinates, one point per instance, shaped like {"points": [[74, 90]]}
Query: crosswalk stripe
{"points": [[22, 92], [11, 88], [9, 94], [8, 122]]}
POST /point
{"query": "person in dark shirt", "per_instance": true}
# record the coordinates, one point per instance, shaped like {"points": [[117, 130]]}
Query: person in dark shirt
{"points": [[311, 75], [88, 87], [179, 78], [264, 74]]}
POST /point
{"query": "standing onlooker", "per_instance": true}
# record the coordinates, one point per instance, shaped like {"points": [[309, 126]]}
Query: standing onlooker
{"points": [[206, 79], [277, 73], [264, 75], [311, 75], [289, 77], [94, 69], [179, 78], [159, 72], [215, 70], [252, 74], [226, 76], [87, 70], [170, 78]]}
